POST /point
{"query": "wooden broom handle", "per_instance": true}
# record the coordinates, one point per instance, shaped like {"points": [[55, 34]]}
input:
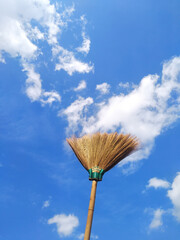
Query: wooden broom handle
{"points": [[90, 211]]}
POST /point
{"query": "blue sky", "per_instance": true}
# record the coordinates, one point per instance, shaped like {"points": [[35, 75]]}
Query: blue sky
{"points": [[81, 67]]}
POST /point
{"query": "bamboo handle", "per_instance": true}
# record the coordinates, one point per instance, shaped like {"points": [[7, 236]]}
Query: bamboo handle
{"points": [[90, 210]]}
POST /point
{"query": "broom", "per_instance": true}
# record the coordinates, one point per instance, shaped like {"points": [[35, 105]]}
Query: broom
{"points": [[98, 153]]}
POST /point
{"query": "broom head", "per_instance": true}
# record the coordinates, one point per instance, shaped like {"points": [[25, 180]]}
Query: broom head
{"points": [[99, 152]]}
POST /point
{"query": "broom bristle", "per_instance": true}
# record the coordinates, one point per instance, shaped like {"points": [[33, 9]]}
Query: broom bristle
{"points": [[103, 150]]}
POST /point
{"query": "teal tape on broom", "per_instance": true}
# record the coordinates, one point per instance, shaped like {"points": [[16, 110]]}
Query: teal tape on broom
{"points": [[96, 173]]}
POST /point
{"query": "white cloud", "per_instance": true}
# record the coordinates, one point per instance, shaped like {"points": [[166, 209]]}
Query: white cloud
{"points": [[34, 87], [84, 21], [69, 63], [35, 33], [18, 38], [124, 85], [81, 86], [13, 38], [16, 30], [144, 112], [157, 219], [65, 224], [33, 83], [23, 26], [46, 204], [50, 97], [103, 88], [174, 195], [85, 48], [158, 183], [75, 113]]}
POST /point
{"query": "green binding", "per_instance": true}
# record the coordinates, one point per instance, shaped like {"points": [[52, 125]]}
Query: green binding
{"points": [[96, 173]]}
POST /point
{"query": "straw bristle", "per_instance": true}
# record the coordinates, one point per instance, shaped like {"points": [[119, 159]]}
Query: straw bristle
{"points": [[103, 150]]}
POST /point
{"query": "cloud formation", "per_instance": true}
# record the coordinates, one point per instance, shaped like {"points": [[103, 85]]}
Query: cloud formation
{"points": [[103, 88], [46, 204], [174, 195], [70, 64], [19, 38], [75, 113], [81, 86], [124, 85], [34, 87], [17, 32], [85, 47], [157, 219], [65, 224], [158, 183], [145, 112], [24, 25]]}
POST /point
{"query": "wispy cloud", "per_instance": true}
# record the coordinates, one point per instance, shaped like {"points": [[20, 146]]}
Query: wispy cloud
{"points": [[75, 113], [103, 88], [34, 87], [69, 63], [50, 97], [33, 83], [81, 236], [157, 219], [158, 183], [65, 224], [85, 47], [46, 204], [124, 85], [81, 86]]}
